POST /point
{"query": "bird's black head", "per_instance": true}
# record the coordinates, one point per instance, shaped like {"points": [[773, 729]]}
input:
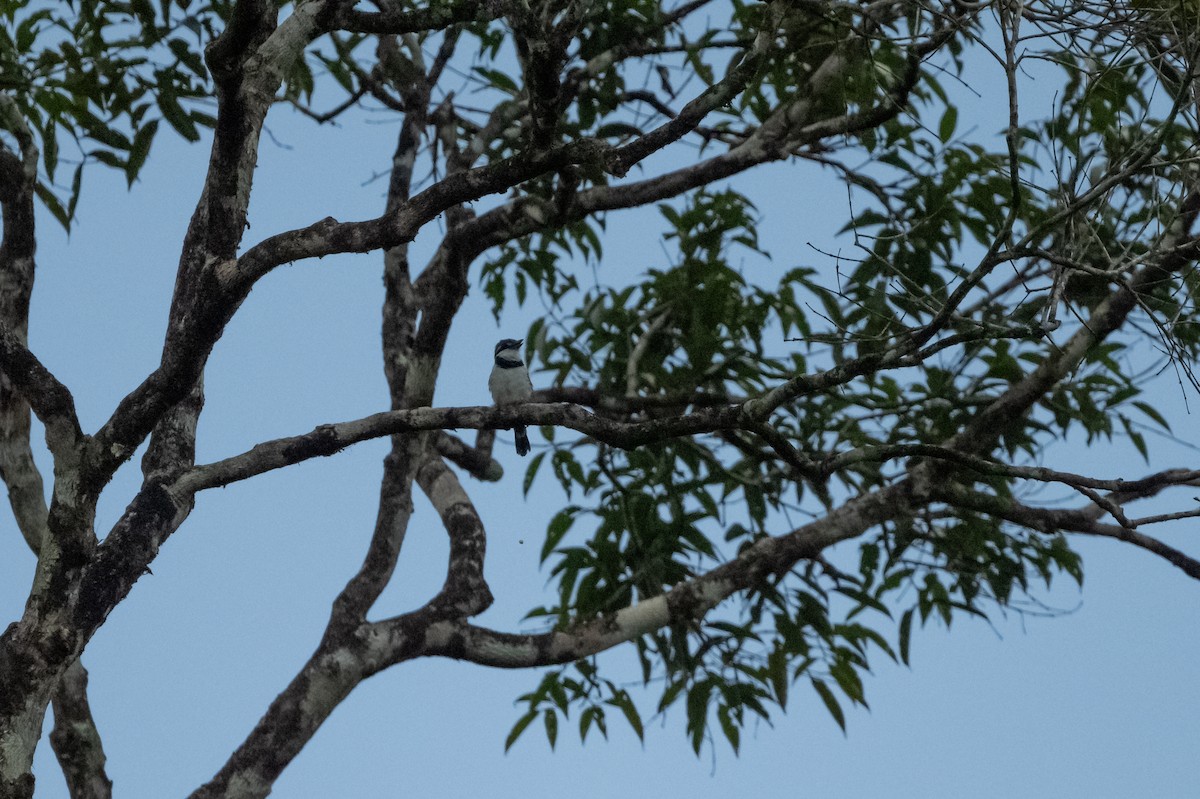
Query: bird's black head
{"points": [[508, 344]]}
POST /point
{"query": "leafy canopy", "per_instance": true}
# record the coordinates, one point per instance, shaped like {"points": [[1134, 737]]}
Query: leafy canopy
{"points": [[896, 388]]}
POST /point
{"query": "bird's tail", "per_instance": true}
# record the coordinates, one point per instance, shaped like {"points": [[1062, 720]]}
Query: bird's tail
{"points": [[522, 440]]}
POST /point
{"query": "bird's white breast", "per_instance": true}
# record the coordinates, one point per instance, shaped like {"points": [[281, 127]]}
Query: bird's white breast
{"points": [[509, 385]]}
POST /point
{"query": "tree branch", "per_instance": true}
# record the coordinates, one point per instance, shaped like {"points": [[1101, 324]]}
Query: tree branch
{"points": [[1142, 487], [713, 97], [1080, 521], [249, 25], [329, 439], [289, 723], [50, 400], [687, 601], [465, 592], [75, 740], [330, 237], [393, 20], [475, 461]]}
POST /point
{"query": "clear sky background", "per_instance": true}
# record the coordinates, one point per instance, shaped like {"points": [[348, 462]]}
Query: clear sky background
{"points": [[1102, 700]]}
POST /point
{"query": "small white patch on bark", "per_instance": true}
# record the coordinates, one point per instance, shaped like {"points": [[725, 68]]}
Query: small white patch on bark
{"points": [[446, 491], [226, 272]]}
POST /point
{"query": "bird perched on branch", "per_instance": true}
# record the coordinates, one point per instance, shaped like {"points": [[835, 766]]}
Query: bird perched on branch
{"points": [[510, 383]]}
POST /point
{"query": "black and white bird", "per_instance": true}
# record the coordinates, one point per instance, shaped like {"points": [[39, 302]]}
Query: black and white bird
{"points": [[510, 383]]}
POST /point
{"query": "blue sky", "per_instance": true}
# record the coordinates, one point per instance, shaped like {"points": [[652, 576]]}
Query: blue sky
{"points": [[1101, 701]]}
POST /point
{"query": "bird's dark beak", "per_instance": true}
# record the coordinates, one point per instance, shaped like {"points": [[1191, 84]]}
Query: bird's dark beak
{"points": [[520, 341]]}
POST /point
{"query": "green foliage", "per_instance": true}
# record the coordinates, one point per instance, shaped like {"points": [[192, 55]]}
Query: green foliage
{"points": [[981, 275], [719, 322], [936, 216], [100, 76]]}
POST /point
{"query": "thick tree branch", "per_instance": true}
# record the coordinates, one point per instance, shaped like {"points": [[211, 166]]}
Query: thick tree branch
{"points": [[685, 602], [249, 25], [26, 493], [50, 400], [465, 592], [290, 722], [329, 439], [623, 404], [200, 306], [12, 120], [75, 739], [392, 20], [329, 237]]}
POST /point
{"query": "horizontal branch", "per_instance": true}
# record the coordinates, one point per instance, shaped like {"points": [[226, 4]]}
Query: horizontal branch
{"points": [[901, 355], [329, 439], [392, 20], [1074, 520], [331, 237], [986, 466], [619, 403]]}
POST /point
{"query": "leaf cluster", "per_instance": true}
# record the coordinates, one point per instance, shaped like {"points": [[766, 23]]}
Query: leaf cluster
{"points": [[100, 76]]}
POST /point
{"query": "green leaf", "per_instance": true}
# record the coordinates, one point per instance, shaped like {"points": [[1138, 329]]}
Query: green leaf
{"points": [[622, 701], [50, 148], [109, 159], [729, 727], [550, 718], [697, 712], [618, 130], [591, 715], [848, 680], [53, 205], [948, 124], [173, 112], [139, 150], [499, 80], [76, 189], [531, 472], [830, 701], [1153, 413], [519, 728], [559, 525], [188, 57], [905, 635], [28, 30], [777, 670], [101, 131]]}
